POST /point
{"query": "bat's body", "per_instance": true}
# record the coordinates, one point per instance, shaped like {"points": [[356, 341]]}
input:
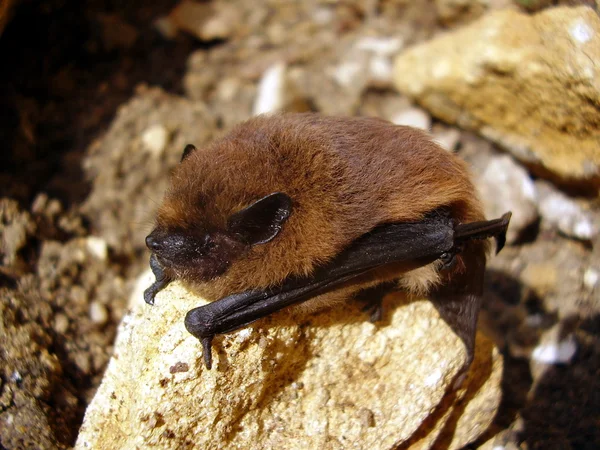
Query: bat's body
{"points": [[302, 208]]}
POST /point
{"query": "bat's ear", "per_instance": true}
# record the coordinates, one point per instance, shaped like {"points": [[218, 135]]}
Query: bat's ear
{"points": [[260, 222], [187, 150]]}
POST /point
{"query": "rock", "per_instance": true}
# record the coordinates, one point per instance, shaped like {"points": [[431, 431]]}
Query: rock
{"points": [[97, 247], [506, 186], [155, 139], [330, 380], [555, 348], [529, 83], [116, 33], [412, 117], [551, 270], [277, 92], [447, 137], [451, 12], [559, 211], [16, 227], [206, 21], [380, 51]]}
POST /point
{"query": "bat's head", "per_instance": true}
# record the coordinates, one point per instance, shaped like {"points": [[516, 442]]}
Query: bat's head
{"points": [[194, 240]]}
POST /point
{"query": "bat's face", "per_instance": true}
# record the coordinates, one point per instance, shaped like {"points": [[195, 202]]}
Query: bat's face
{"points": [[198, 253], [194, 241]]}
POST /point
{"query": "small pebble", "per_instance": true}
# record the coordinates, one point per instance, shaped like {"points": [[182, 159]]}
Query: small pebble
{"points": [[97, 247], [561, 212], [448, 139], [61, 323], [559, 353], [412, 117], [590, 278], [155, 139], [98, 313]]}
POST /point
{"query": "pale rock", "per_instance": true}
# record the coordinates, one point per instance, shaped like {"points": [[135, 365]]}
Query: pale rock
{"points": [[329, 380], [277, 92], [561, 212], [412, 117], [590, 278], [555, 347], [367, 63], [155, 139], [61, 323], [448, 138], [348, 73], [506, 186], [379, 52], [98, 313], [527, 82], [97, 247]]}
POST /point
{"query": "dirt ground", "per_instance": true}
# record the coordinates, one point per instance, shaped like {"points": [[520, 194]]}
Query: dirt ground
{"points": [[80, 86]]}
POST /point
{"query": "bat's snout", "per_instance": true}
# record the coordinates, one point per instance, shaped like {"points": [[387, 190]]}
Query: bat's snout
{"points": [[153, 243]]}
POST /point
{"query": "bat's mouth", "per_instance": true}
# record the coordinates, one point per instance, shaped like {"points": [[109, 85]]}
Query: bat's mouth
{"points": [[369, 252]]}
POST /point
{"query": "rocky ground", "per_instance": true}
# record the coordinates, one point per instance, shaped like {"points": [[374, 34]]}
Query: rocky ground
{"points": [[99, 100]]}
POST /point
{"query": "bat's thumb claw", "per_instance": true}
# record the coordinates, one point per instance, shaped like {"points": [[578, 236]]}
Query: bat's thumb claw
{"points": [[207, 350], [149, 296]]}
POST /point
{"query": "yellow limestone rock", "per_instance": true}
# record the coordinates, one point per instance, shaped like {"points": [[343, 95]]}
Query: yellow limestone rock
{"points": [[329, 380], [528, 82]]}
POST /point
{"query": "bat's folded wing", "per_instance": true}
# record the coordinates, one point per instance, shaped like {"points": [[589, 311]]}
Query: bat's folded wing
{"points": [[414, 244]]}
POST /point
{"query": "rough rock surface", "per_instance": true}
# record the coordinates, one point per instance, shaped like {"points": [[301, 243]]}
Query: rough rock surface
{"points": [[506, 186], [530, 83], [330, 380]]}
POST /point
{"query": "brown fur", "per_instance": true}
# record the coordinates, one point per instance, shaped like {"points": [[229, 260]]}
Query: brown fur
{"points": [[344, 175]]}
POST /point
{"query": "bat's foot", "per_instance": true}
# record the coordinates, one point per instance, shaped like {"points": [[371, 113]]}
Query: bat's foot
{"points": [[373, 299]]}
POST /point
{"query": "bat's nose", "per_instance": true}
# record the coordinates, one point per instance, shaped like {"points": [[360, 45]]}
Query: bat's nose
{"points": [[152, 243]]}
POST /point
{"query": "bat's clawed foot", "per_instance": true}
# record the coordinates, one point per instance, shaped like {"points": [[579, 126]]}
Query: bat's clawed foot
{"points": [[375, 310], [149, 295], [373, 299]]}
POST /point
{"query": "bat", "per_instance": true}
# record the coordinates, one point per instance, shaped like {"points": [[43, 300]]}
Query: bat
{"points": [[305, 210]]}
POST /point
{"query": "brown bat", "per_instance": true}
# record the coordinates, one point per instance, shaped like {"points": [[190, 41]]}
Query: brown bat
{"points": [[305, 209]]}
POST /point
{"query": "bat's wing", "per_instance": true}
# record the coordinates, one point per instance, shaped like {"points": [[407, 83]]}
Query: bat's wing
{"points": [[413, 244], [458, 299]]}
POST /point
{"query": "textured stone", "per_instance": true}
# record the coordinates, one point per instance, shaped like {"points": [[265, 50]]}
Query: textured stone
{"points": [[530, 83], [327, 380], [565, 214], [505, 186], [206, 21]]}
